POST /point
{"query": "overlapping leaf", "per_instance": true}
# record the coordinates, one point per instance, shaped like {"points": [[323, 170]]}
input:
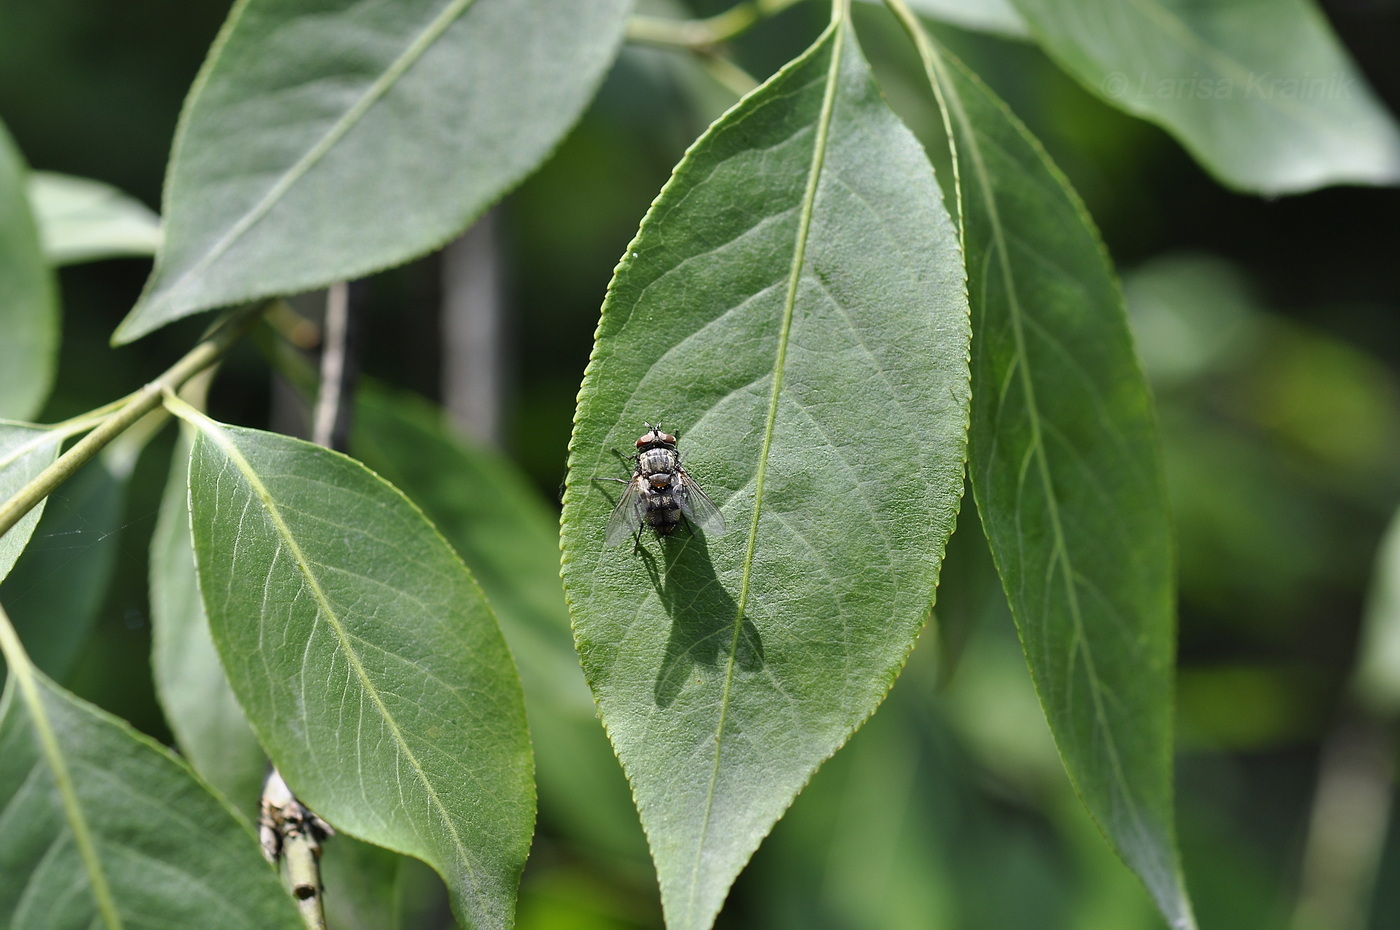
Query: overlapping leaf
{"points": [[82, 220], [209, 726], [1260, 91], [104, 828], [365, 657], [995, 16], [326, 141], [28, 296], [793, 309], [1068, 479]]}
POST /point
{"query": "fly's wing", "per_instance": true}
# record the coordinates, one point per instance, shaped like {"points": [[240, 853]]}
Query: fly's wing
{"points": [[697, 507], [626, 516]]}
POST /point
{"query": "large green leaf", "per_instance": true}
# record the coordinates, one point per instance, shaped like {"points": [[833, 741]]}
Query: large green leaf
{"points": [[199, 705], [793, 307], [1260, 91], [28, 296], [25, 451], [81, 220], [103, 828], [366, 658], [1067, 475], [326, 141]]}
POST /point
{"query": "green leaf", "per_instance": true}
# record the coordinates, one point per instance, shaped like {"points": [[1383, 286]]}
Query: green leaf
{"points": [[326, 141], [792, 307], [81, 220], [509, 538], [995, 16], [366, 658], [104, 828], [1067, 475], [57, 587], [28, 296], [199, 705], [1260, 91], [25, 451]]}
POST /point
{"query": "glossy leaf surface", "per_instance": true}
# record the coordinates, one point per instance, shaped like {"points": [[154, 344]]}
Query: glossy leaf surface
{"points": [[366, 658], [793, 309], [25, 451], [323, 142], [81, 220], [104, 828], [1260, 91], [28, 296], [1066, 470]]}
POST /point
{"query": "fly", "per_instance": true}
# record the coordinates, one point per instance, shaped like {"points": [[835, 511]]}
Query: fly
{"points": [[660, 494]]}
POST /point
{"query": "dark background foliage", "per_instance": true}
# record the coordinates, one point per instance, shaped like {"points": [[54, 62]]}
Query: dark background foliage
{"points": [[1281, 417]]}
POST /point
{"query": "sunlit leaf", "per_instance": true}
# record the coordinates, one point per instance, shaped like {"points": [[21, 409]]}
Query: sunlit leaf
{"points": [[81, 219], [793, 309], [1260, 91], [323, 142], [25, 451], [28, 296], [1066, 470], [199, 705], [995, 16], [366, 658], [104, 828]]}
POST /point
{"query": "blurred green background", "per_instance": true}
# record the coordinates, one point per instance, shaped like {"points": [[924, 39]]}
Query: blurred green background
{"points": [[1269, 330]]}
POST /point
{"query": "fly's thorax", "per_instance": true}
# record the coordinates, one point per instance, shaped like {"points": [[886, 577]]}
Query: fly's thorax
{"points": [[658, 461]]}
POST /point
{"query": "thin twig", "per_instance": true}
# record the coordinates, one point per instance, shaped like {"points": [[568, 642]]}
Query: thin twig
{"points": [[291, 833], [289, 830], [330, 425], [1346, 833]]}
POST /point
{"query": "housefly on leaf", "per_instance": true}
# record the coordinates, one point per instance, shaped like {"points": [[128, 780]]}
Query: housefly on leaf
{"points": [[660, 494]]}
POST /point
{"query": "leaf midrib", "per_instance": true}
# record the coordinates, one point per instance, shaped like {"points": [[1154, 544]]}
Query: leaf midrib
{"points": [[823, 126], [381, 86], [221, 438], [26, 678]]}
